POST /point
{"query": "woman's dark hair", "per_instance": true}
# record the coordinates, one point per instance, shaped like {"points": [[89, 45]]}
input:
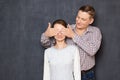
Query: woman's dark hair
{"points": [[59, 21]]}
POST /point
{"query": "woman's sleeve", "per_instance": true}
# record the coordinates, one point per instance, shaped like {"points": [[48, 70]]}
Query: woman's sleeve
{"points": [[46, 73], [77, 69]]}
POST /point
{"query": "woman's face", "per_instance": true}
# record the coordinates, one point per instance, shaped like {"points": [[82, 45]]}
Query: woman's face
{"points": [[59, 36]]}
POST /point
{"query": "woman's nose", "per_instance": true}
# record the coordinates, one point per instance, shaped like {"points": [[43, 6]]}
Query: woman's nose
{"points": [[59, 33]]}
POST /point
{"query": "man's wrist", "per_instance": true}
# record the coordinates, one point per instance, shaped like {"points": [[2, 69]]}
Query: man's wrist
{"points": [[73, 35], [46, 34]]}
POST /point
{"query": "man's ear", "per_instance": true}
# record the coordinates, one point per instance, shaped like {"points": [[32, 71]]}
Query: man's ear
{"points": [[91, 21]]}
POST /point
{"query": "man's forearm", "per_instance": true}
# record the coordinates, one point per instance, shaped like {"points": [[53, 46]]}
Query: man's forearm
{"points": [[45, 41]]}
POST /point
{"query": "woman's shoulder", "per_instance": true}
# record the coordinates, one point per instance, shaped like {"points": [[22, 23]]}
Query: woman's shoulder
{"points": [[72, 47], [49, 49]]}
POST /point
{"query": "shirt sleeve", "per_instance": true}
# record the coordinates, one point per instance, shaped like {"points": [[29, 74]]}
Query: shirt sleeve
{"points": [[45, 41], [77, 69], [90, 42], [46, 73]]}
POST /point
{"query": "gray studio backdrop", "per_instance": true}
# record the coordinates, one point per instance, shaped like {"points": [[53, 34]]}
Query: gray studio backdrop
{"points": [[23, 21]]}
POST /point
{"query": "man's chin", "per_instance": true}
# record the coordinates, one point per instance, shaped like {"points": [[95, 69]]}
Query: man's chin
{"points": [[79, 27]]}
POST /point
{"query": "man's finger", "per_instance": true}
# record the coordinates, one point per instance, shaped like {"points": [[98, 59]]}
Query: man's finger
{"points": [[49, 25], [69, 26]]}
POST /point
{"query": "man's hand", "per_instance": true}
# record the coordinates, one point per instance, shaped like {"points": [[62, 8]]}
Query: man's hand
{"points": [[68, 32], [50, 32]]}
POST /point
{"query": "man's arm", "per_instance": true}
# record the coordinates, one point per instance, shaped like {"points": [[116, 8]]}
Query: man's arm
{"points": [[45, 37], [90, 43], [45, 41]]}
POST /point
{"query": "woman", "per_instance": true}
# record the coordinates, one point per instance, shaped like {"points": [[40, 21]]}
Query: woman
{"points": [[61, 61]]}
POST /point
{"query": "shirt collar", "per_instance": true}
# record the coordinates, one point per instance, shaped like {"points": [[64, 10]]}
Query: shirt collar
{"points": [[89, 29]]}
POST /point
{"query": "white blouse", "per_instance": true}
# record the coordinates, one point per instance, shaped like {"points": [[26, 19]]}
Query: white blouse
{"points": [[62, 64]]}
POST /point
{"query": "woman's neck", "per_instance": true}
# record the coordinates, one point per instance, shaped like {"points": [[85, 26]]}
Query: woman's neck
{"points": [[60, 45]]}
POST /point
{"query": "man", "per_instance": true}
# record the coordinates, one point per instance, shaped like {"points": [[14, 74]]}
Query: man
{"points": [[82, 34]]}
